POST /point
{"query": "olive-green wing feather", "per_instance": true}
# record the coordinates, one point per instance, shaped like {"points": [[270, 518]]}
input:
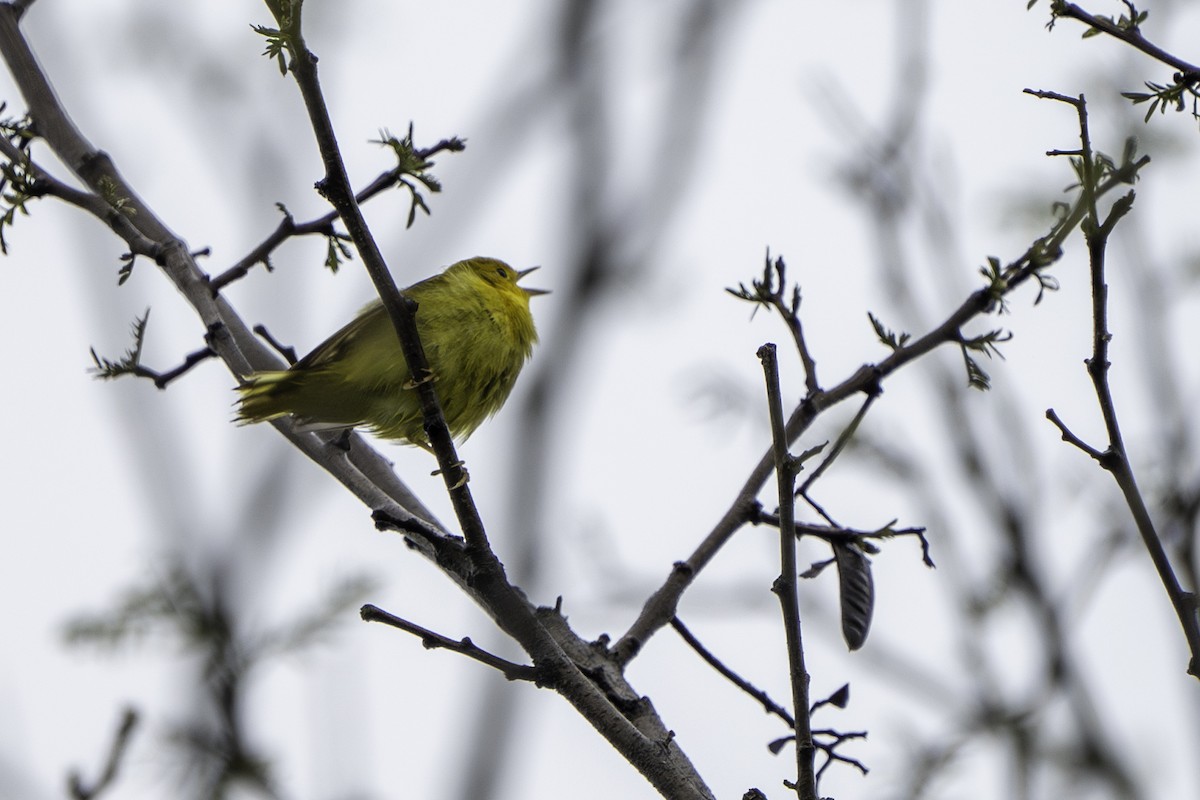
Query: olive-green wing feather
{"points": [[338, 383]]}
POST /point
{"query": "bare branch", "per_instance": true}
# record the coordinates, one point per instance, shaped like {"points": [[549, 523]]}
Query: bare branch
{"points": [[768, 704], [288, 227], [1115, 458], [661, 606], [432, 640], [771, 292], [366, 473], [785, 585], [116, 754], [1131, 34], [662, 763]]}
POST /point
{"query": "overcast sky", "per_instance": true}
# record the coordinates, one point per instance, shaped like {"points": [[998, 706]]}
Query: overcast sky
{"points": [[106, 482]]}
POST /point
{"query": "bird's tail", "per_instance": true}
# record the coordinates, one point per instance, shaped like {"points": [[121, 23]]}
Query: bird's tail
{"points": [[264, 396]]}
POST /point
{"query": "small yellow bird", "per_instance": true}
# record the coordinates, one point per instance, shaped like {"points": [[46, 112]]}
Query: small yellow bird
{"points": [[477, 331]]}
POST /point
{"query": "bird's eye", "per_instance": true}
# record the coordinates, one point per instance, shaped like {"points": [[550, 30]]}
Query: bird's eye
{"points": [[502, 272]]}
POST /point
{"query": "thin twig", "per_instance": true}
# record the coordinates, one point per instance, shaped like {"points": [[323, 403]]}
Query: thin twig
{"points": [[830, 751], [162, 379], [840, 534], [432, 640], [790, 311], [323, 225], [287, 229], [417, 526], [785, 585], [116, 754], [770, 292], [1100, 456], [838, 447], [288, 353], [737, 680]]}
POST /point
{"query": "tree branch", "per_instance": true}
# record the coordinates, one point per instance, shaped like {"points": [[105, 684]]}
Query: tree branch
{"points": [[785, 585], [768, 704], [1131, 35], [662, 605], [288, 227], [365, 473], [116, 754], [667, 769], [1115, 459], [431, 640]]}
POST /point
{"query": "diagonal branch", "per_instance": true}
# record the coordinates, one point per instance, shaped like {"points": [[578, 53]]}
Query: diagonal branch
{"points": [[432, 639], [43, 184], [662, 762], [737, 680], [1131, 35], [601, 694], [323, 225], [661, 606], [335, 187]]}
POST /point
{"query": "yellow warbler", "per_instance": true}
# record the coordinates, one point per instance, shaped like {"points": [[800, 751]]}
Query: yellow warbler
{"points": [[477, 331]]}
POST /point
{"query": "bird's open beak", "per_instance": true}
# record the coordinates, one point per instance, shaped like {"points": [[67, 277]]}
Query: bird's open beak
{"points": [[531, 292]]}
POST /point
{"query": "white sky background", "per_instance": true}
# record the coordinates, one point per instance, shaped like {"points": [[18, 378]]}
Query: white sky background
{"points": [[645, 471]]}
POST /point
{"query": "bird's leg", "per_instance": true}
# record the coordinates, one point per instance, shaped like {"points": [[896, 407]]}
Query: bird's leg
{"points": [[465, 476]]}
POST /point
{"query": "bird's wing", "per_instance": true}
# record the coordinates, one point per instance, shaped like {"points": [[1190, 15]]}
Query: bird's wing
{"points": [[334, 348]]}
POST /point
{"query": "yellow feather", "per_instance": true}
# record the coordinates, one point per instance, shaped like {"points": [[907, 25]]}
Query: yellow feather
{"points": [[475, 325]]}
